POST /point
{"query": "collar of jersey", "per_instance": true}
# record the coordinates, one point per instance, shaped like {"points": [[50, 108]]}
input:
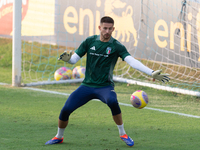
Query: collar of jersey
{"points": [[110, 41]]}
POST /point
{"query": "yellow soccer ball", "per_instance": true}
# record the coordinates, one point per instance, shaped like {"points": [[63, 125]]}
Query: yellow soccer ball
{"points": [[139, 99], [78, 72], [62, 73]]}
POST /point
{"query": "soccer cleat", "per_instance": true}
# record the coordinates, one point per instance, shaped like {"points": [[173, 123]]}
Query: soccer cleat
{"points": [[55, 140], [127, 140]]}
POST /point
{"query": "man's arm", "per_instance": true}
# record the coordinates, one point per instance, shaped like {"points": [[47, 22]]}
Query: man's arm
{"points": [[74, 59], [139, 66], [134, 63]]}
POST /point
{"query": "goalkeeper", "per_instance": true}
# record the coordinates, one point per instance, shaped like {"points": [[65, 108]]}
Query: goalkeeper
{"points": [[102, 53]]}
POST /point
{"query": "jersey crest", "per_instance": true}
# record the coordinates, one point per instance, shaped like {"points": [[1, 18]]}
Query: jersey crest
{"points": [[108, 50]]}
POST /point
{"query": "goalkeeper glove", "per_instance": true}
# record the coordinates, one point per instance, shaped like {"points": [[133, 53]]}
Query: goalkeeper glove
{"points": [[65, 56], [161, 77]]}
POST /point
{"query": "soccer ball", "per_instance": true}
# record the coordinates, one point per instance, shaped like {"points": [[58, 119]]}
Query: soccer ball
{"points": [[78, 72], [139, 99], [62, 73]]}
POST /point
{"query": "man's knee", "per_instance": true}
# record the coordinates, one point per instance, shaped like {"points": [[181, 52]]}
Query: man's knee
{"points": [[114, 106], [112, 102], [64, 114]]}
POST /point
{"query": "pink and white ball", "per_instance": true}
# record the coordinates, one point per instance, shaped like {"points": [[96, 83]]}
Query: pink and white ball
{"points": [[78, 72], [139, 99], [62, 73]]}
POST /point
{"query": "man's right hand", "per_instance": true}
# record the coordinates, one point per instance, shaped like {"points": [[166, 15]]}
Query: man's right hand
{"points": [[65, 56]]}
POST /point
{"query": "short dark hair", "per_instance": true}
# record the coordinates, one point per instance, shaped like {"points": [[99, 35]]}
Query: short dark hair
{"points": [[107, 19]]}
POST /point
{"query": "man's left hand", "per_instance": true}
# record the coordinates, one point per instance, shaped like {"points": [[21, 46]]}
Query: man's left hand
{"points": [[161, 77]]}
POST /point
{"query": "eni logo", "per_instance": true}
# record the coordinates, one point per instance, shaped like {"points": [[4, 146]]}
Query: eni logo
{"points": [[74, 22], [74, 19], [124, 23]]}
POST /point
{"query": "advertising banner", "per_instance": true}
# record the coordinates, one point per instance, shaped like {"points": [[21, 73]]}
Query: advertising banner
{"points": [[6, 15], [165, 31]]}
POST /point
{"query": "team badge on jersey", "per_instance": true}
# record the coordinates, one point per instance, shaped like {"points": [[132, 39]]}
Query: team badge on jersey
{"points": [[108, 50]]}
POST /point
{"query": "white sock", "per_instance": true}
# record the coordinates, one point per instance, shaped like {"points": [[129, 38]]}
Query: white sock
{"points": [[60, 132], [121, 129]]}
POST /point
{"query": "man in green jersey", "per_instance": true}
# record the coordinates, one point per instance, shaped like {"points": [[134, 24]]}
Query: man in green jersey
{"points": [[102, 53]]}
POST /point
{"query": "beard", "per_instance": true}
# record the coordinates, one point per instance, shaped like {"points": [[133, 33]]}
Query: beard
{"points": [[106, 36]]}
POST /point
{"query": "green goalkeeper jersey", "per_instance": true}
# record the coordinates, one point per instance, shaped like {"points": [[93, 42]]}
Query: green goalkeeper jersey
{"points": [[101, 60]]}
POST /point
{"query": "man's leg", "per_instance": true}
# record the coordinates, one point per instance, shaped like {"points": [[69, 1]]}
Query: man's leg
{"points": [[62, 124], [119, 123], [108, 96], [61, 128], [78, 98], [118, 119], [123, 136]]}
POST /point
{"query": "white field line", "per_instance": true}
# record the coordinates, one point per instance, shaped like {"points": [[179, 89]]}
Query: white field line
{"points": [[165, 111], [3, 83], [123, 104]]}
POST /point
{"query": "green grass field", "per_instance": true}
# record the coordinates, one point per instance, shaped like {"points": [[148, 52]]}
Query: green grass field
{"points": [[29, 118]]}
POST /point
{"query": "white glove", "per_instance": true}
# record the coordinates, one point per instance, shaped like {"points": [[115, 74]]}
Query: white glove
{"points": [[161, 77], [65, 56]]}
